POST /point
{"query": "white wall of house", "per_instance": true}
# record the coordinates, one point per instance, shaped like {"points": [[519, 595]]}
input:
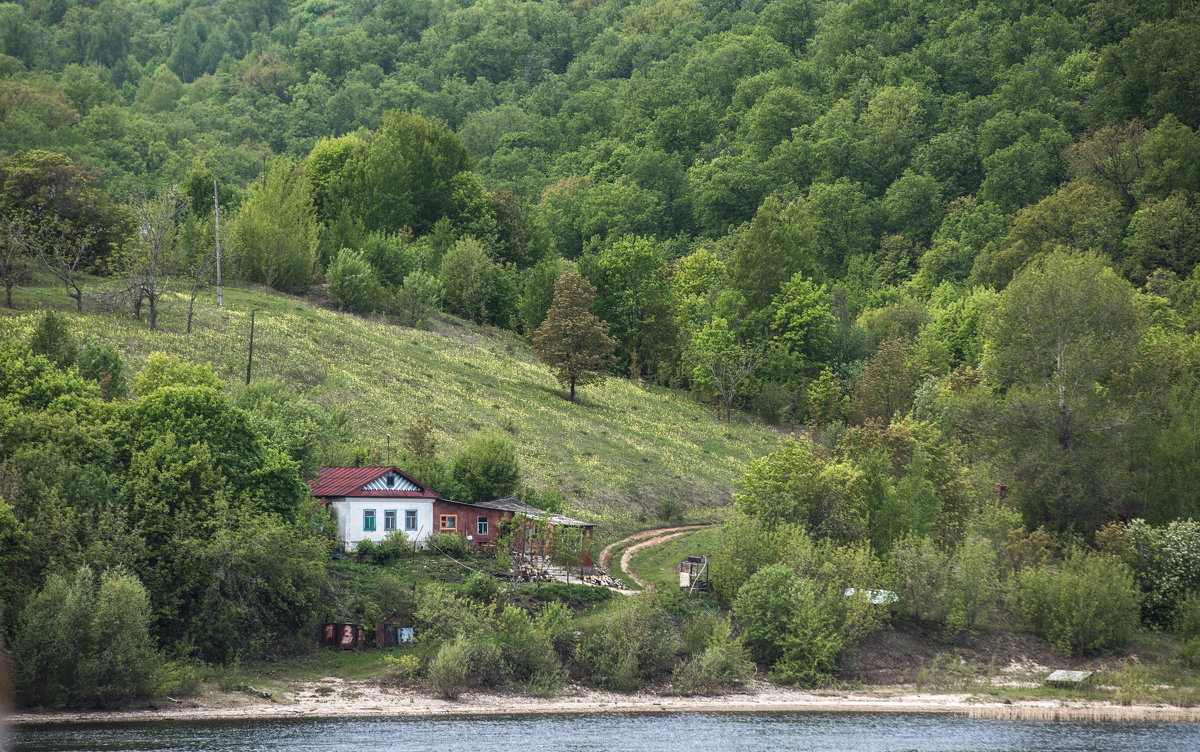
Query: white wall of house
{"points": [[351, 517]]}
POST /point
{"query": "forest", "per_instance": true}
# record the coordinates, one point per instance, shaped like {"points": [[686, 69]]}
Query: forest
{"points": [[952, 248]]}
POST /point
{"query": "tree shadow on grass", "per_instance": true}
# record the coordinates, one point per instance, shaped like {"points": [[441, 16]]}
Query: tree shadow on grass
{"points": [[580, 399]]}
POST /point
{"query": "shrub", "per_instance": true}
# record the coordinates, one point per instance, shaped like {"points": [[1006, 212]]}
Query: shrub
{"points": [[391, 257], [175, 678], [528, 654], [635, 644], [352, 282], [442, 614], [722, 665], [1167, 563], [669, 509], [448, 544], [1085, 605], [85, 642], [418, 300], [786, 623], [51, 338], [959, 589], [400, 669], [481, 587], [395, 545], [556, 623], [450, 670], [101, 362]]}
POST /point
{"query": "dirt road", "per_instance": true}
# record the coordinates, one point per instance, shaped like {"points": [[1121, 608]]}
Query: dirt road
{"points": [[641, 539]]}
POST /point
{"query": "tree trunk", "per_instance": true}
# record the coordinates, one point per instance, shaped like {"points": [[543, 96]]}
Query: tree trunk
{"points": [[153, 300], [572, 388], [191, 307], [78, 296], [8, 286]]}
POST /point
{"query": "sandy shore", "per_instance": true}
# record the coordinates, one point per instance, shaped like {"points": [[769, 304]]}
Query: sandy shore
{"points": [[335, 698]]}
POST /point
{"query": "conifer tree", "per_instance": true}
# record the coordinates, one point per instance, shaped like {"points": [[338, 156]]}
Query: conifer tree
{"points": [[573, 341]]}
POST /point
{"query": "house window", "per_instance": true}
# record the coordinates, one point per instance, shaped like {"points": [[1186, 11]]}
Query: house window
{"points": [[410, 520], [481, 526], [389, 519], [449, 521], [369, 520]]}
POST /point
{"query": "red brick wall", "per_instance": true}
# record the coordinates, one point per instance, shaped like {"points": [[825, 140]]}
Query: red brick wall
{"points": [[466, 520]]}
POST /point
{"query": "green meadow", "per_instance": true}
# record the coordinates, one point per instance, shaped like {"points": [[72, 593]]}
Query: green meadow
{"points": [[615, 455]]}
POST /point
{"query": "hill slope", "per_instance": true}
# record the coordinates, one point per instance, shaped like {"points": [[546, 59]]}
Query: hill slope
{"points": [[614, 456]]}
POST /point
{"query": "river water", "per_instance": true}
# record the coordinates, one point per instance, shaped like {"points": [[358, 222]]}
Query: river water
{"points": [[684, 732]]}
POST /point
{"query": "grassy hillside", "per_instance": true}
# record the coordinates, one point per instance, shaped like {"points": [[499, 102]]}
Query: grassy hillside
{"points": [[615, 455]]}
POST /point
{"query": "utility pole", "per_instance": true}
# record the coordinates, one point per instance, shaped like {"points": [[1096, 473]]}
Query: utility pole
{"points": [[217, 219], [389, 442], [250, 360]]}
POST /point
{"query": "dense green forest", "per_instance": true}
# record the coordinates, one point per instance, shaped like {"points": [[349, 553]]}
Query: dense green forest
{"points": [[955, 246]]}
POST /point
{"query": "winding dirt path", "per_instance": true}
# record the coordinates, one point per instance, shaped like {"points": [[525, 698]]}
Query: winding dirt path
{"points": [[642, 539], [606, 553]]}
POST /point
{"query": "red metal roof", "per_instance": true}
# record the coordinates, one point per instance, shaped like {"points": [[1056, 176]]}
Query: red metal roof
{"points": [[349, 481]]}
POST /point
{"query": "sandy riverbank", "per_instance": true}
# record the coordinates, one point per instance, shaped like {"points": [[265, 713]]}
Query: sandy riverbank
{"points": [[335, 698]]}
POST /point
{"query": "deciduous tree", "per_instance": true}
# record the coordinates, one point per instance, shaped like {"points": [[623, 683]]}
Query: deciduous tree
{"points": [[572, 340]]}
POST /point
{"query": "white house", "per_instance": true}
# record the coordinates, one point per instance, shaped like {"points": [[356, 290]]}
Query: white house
{"points": [[367, 503]]}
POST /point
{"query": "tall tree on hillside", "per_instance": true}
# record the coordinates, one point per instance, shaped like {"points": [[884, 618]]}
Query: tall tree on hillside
{"points": [[721, 364], [573, 341], [1059, 346], [16, 242], [634, 295], [403, 177], [60, 196], [887, 385], [156, 254], [275, 233]]}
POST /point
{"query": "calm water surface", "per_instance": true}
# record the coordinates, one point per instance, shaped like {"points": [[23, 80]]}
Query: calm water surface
{"points": [[685, 732]]}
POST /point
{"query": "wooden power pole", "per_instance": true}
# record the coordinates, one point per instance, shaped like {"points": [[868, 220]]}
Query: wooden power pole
{"points": [[217, 220], [250, 359]]}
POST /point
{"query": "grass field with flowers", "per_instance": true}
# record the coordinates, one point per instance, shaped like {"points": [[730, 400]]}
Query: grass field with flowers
{"points": [[616, 455]]}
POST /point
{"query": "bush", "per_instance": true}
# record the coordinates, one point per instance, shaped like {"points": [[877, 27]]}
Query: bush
{"points": [[556, 622], [175, 678], [959, 589], [1166, 561], [442, 614], [448, 544], [392, 257], [51, 338], [101, 362], [669, 509], [352, 282], [418, 300], [722, 665], [572, 595], [786, 623], [528, 653], [395, 545], [481, 587], [450, 671], [85, 642], [635, 644], [1085, 605], [400, 669]]}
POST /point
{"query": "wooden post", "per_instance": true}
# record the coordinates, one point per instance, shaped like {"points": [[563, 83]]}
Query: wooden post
{"points": [[217, 220], [250, 360]]}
